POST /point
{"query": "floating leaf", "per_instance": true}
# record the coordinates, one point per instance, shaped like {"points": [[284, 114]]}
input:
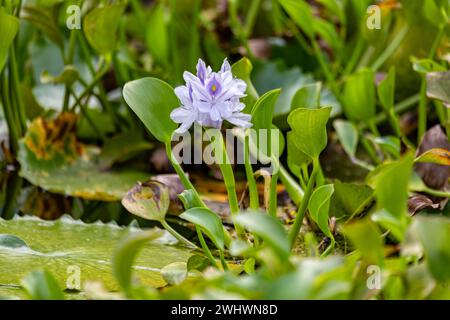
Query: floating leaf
{"points": [[319, 207], [51, 157], [153, 100], [309, 129], [9, 25], [100, 27], [59, 244], [209, 223]]}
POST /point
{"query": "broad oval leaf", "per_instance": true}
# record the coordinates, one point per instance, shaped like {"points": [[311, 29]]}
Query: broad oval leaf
{"points": [[209, 223], [153, 100], [100, 27], [309, 128], [319, 207], [268, 228]]}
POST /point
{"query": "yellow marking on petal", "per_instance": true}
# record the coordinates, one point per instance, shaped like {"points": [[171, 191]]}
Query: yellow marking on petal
{"points": [[214, 88]]}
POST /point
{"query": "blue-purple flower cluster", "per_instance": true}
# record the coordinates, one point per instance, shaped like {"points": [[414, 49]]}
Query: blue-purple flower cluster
{"points": [[209, 98]]}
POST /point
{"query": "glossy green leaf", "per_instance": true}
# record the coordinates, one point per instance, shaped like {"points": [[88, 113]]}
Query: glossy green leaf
{"points": [[153, 100], [57, 245], [242, 70], [190, 199], [366, 237], [9, 25], [262, 112], [359, 96], [209, 222], [157, 38], [438, 86], [125, 255], [390, 182], [267, 228], [41, 285], [100, 27], [309, 128], [319, 207], [348, 136]]}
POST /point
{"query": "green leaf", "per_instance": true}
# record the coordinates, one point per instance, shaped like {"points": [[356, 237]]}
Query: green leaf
{"points": [[41, 285], [174, 273], [319, 207], [366, 237], [9, 25], [309, 128], [125, 254], [350, 199], [100, 27], [242, 70], [424, 66], [348, 136], [190, 199], [386, 90], [198, 262], [390, 182], [262, 112], [397, 227], [267, 228], [153, 100], [307, 97], [157, 36], [209, 223], [388, 144], [57, 245], [438, 86], [434, 233], [359, 96], [301, 14], [295, 157]]}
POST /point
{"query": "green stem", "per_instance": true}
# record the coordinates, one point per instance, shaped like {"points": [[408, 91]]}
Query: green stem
{"points": [[205, 247], [391, 48], [252, 187], [293, 234], [178, 236], [15, 92], [293, 189], [422, 117]]}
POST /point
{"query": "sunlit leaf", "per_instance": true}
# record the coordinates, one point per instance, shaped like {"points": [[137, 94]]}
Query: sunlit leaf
{"points": [[156, 35], [438, 156], [209, 223], [301, 13], [359, 96], [9, 25], [309, 129], [153, 100], [319, 206], [307, 97], [386, 90], [348, 136], [242, 70]]}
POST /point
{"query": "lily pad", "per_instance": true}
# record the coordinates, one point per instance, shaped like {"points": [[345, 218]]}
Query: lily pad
{"points": [[51, 157], [58, 245]]}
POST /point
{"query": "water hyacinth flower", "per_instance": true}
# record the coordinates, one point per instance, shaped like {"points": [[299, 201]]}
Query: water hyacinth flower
{"points": [[209, 98]]}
